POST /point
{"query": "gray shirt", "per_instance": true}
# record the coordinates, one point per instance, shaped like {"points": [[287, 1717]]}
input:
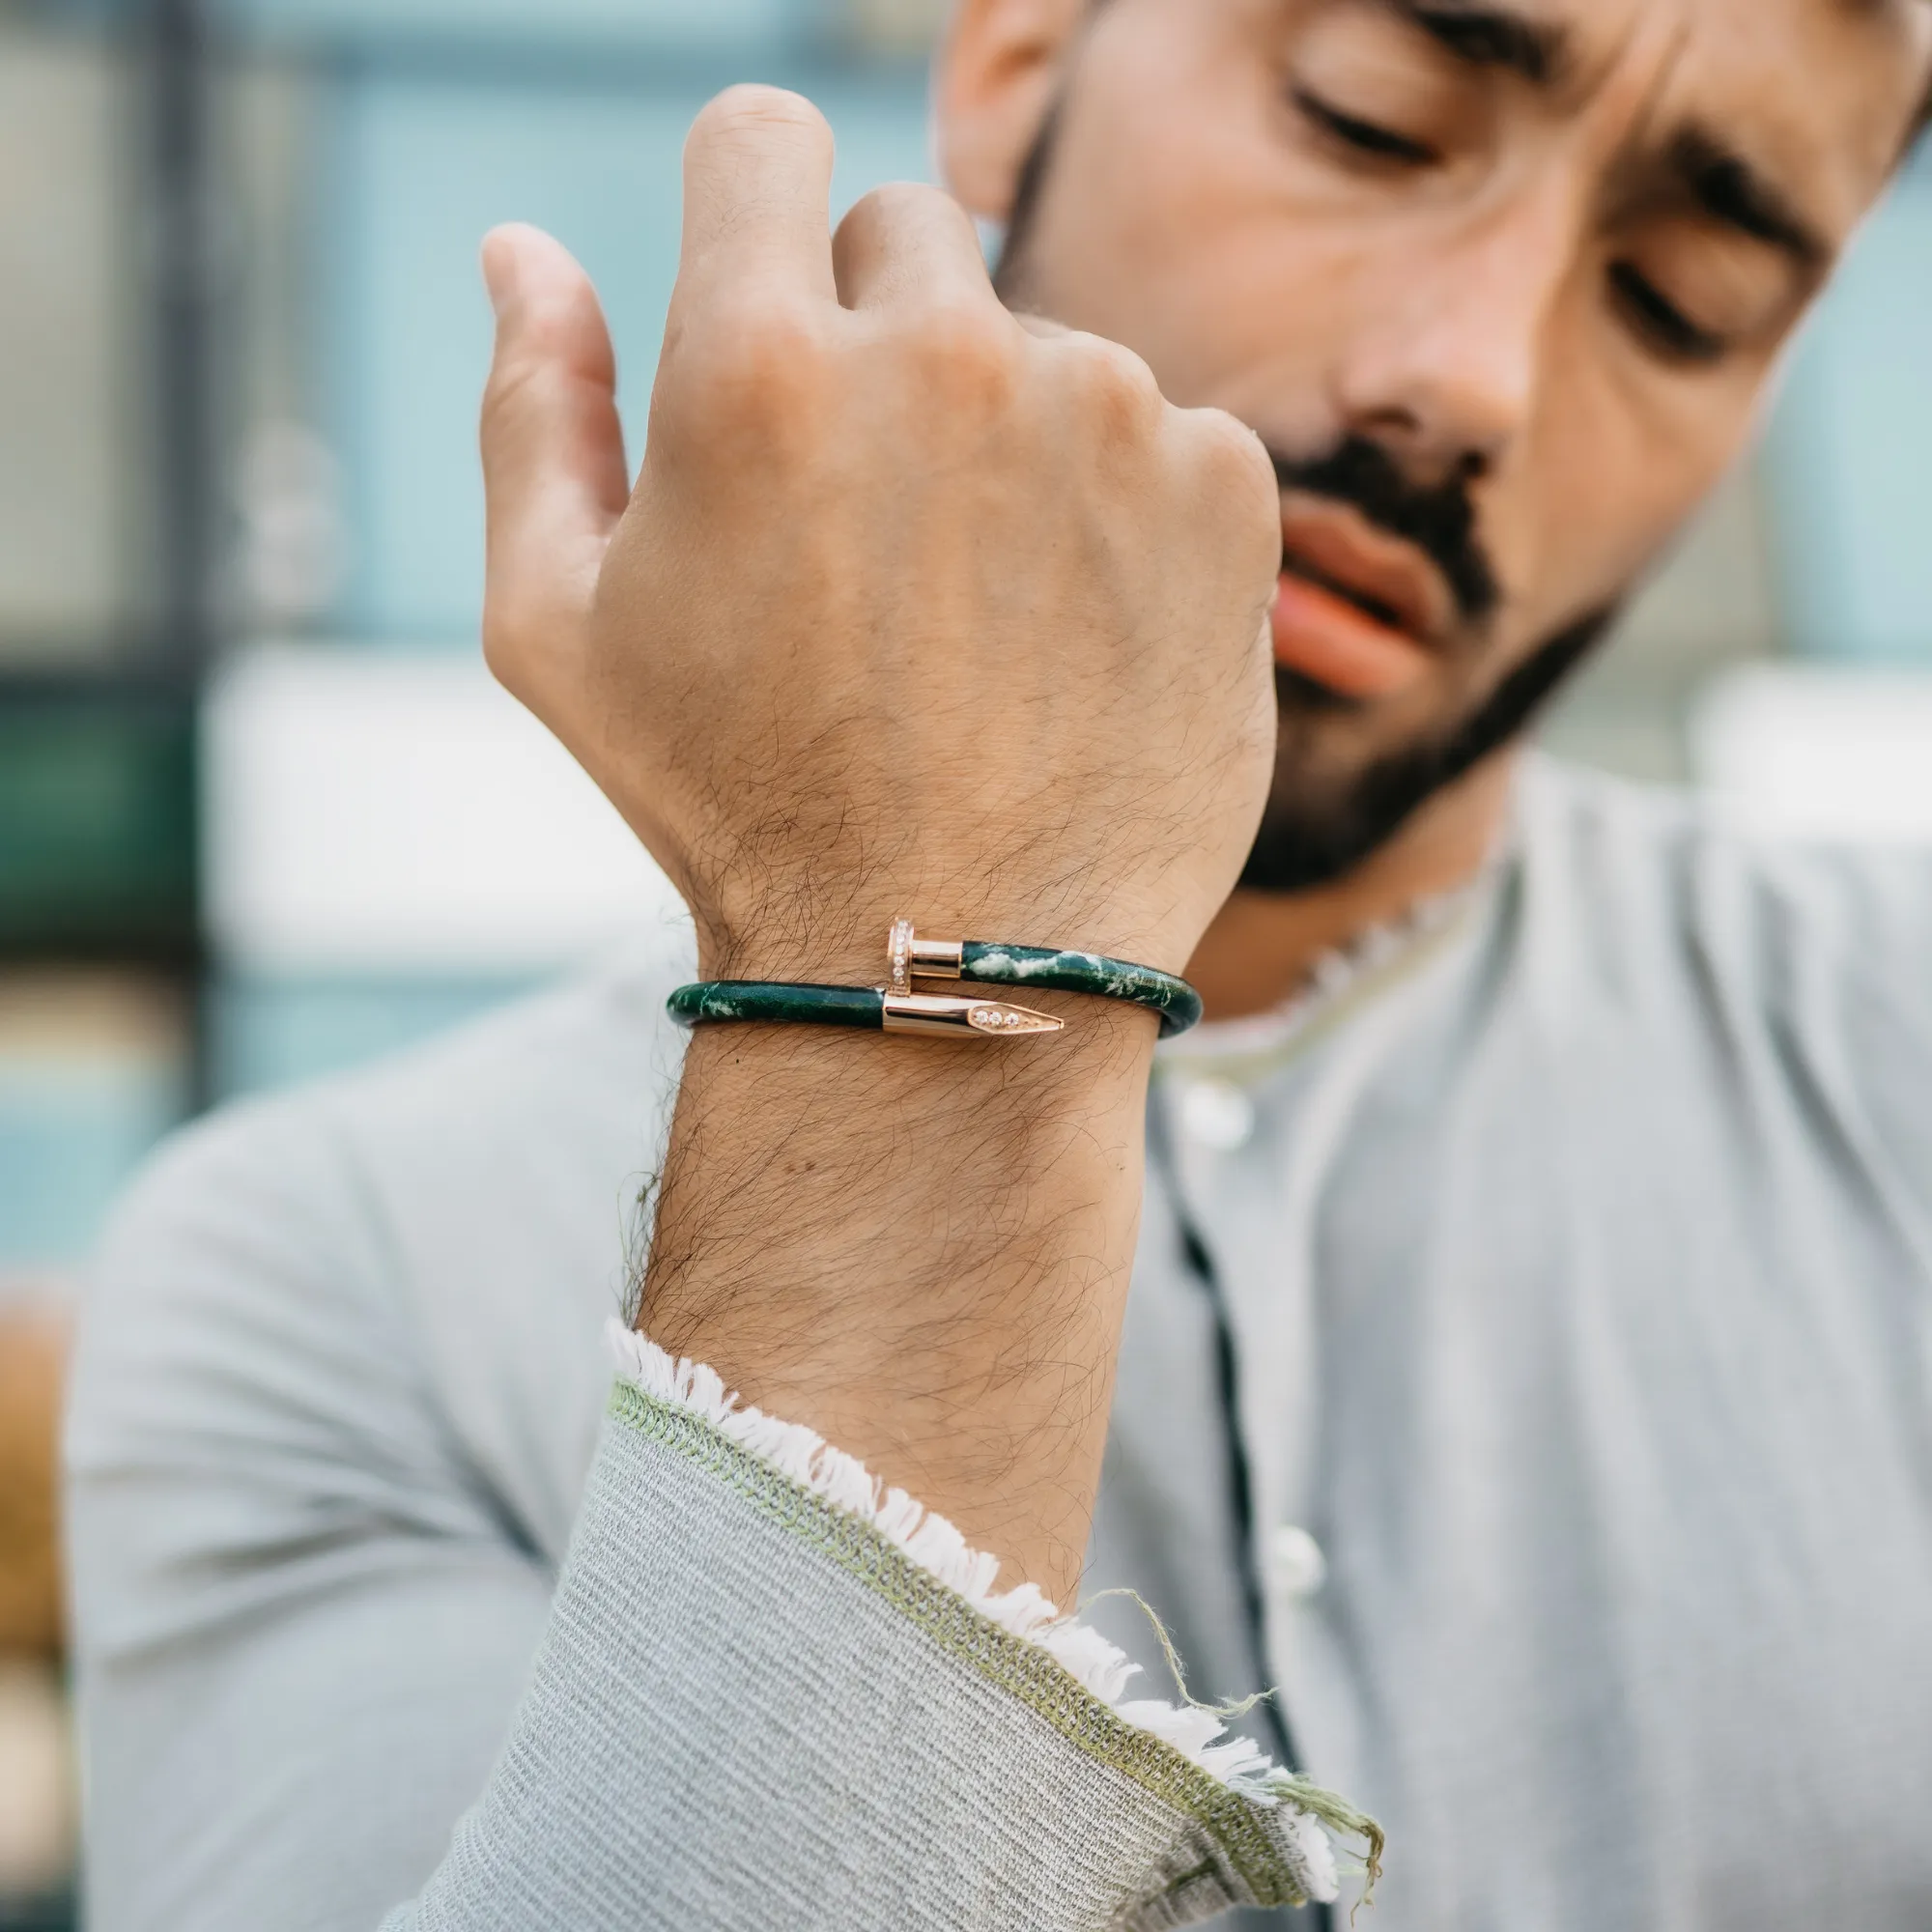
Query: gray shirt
{"points": [[1576, 1249]]}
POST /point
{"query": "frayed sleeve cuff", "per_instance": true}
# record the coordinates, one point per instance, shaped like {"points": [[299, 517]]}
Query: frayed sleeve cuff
{"points": [[774, 1691]]}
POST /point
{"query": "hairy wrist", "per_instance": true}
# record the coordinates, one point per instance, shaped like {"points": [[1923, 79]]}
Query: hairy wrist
{"points": [[921, 1249], [829, 924]]}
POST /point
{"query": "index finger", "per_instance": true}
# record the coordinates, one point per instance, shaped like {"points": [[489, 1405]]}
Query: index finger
{"points": [[757, 195]]}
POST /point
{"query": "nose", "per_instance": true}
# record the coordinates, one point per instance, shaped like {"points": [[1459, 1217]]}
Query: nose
{"points": [[1447, 375]]}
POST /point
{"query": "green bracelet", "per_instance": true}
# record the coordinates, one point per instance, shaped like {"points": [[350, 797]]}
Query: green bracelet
{"points": [[896, 1008]]}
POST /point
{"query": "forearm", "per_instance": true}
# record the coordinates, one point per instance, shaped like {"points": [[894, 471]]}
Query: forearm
{"points": [[769, 1693], [911, 612], [922, 1251], [757, 1700]]}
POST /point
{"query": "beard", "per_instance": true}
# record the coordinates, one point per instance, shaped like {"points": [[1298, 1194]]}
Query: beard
{"points": [[1331, 807], [1326, 817]]}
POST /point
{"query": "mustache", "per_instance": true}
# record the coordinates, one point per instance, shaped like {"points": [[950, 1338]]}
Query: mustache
{"points": [[1440, 521]]}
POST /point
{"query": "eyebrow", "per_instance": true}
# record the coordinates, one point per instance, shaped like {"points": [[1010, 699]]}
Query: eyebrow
{"points": [[1497, 39], [1725, 186], [1736, 195]]}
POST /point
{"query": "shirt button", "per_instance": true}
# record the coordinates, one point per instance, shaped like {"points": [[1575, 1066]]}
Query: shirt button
{"points": [[1297, 1565], [1217, 1114]]}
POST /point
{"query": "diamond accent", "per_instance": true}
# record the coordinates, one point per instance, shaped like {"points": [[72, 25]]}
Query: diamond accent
{"points": [[899, 954], [1008, 1019]]}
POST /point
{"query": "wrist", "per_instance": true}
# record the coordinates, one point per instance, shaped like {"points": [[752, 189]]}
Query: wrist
{"points": [[921, 1249], [803, 938]]}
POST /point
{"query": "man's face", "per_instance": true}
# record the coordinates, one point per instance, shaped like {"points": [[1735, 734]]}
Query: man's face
{"points": [[1500, 282]]}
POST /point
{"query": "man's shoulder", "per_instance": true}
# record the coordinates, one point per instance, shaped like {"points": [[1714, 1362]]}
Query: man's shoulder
{"points": [[431, 1245], [579, 1077], [1664, 918], [572, 1078], [1611, 848]]}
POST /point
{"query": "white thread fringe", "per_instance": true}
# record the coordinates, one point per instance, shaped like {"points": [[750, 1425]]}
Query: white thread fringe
{"points": [[803, 1456]]}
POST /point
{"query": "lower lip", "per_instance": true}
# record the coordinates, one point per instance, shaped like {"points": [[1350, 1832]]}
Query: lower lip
{"points": [[1327, 640]]}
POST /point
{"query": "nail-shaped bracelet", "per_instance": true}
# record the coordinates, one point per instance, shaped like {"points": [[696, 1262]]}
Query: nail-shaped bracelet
{"points": [[897, 1008]]}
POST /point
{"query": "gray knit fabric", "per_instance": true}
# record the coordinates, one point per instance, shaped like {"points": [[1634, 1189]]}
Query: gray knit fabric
{"points": [[726, 1728], [308, 1597], [1579, 1263]]}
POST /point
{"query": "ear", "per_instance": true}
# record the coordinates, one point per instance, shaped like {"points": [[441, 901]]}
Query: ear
{"points": [[995, 81]]}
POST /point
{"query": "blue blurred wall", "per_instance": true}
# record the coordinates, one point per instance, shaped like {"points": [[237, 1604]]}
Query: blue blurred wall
{"points": [[436, 119], [1851, 449], [418, 169]]}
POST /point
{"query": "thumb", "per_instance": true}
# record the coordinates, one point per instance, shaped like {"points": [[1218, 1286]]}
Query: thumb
{"points": [[554, 479]]}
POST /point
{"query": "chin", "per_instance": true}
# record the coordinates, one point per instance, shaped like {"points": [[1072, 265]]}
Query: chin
{"points": [[1349, 774]]}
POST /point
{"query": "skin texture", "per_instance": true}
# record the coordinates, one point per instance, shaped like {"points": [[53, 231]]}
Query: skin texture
{"points": [[914, 609], [1460, 313], [804, 658]]}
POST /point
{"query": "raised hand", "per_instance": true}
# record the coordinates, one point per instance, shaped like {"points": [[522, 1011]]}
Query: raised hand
{"points": [[912, 610], [918, 611]]}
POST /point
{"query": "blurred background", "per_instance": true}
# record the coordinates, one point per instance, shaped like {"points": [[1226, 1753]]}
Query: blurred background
{"points": [[261, 813]]}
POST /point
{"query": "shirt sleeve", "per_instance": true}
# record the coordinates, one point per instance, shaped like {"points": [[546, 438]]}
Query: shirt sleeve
{"points": [[323, 1684]]}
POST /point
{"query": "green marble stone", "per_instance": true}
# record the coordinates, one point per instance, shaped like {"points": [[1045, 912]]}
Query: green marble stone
{"points": [[1177, 1003], [719, 1000]]}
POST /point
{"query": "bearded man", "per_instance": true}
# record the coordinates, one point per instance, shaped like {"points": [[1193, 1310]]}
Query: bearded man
{"points": [[1526, 1378]]}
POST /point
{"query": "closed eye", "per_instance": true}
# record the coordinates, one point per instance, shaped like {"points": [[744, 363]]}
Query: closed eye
{"points": [[1661, 320], [1364, 138]]}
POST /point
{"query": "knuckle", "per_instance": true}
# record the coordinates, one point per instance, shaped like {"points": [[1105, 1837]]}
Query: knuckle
{"points": [[1115, 387], [530, 636], [897, 216], [965, 359], [507, 392], [535, 363], [755, 362], [505, 632], [1232, 481], [1231, 459], [892, 201]]}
